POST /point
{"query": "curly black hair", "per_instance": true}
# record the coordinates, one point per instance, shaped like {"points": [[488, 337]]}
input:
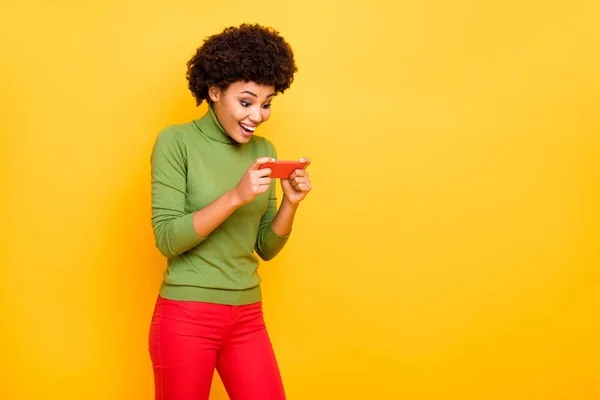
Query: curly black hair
{"points": [[244, 53]]}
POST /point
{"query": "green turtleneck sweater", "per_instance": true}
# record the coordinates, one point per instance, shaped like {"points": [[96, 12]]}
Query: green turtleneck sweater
{"points": [[193, 164]]}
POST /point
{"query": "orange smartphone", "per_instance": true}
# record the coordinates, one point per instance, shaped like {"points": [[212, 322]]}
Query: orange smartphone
{"points": [[283, 169]]}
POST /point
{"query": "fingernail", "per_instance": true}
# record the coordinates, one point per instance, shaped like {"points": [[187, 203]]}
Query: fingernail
{"points": [[302, 159], [273, 159]]}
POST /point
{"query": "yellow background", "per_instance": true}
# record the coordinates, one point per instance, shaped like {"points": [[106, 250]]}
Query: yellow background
{"points": [[450, 248]]}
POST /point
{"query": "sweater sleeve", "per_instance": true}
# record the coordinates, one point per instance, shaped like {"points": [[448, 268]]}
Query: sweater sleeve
{"points": [[268, 243], [174, 231]]}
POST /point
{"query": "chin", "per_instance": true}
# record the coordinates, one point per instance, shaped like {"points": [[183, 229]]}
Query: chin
{"points": [[241, 139]]}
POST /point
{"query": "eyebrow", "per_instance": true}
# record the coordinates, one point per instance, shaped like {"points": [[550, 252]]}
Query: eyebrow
{"points": [[254, 94]]}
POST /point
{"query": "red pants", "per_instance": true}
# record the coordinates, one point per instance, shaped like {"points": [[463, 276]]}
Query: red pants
{"points": [[188, 340]]}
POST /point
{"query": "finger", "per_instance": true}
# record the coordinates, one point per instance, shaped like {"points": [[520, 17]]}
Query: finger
{"points": [[264, 181], [260, 161], [303, 187], [263, 172], [298, 173], [301, 172], [299, 179], [258, 188], [305, 160], [297, 183]]}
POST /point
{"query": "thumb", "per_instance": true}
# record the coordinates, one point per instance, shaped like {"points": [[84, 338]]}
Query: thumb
{"points": [[260, 161], [306, 161]]}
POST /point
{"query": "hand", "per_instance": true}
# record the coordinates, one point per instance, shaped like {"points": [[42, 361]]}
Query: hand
{"points": [[297, 186], [254, 182]]}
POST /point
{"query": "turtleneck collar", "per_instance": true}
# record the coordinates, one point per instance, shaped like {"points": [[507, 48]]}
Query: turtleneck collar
{"points": [[210, 126]]}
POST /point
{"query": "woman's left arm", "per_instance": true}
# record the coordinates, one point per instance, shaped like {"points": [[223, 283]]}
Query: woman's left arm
{"points": [[276, 225], [295, 189]]}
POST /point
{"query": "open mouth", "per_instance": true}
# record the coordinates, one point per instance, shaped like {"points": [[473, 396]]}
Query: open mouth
{"points": [[247, 128]]}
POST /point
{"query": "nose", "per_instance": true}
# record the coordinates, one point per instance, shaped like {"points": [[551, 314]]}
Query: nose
{"points": [[255, 116]]}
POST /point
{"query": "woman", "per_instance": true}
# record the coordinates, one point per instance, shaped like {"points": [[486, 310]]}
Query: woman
{"points": [[212, 209]]}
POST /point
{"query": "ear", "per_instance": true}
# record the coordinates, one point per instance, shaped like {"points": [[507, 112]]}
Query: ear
{"points": [[214, 93]]}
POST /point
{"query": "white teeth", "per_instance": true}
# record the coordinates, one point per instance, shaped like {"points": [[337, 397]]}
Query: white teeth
{"points": [[250, 128]]}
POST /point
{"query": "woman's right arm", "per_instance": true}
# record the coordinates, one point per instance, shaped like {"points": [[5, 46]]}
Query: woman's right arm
{"points": [[175, 231]]}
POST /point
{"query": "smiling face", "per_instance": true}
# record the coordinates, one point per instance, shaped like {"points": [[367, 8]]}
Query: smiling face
{"points": [[242, 107]]}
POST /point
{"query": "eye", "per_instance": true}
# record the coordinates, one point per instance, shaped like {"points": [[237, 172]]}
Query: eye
{"points": [[244, 103], [268, 105]]}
